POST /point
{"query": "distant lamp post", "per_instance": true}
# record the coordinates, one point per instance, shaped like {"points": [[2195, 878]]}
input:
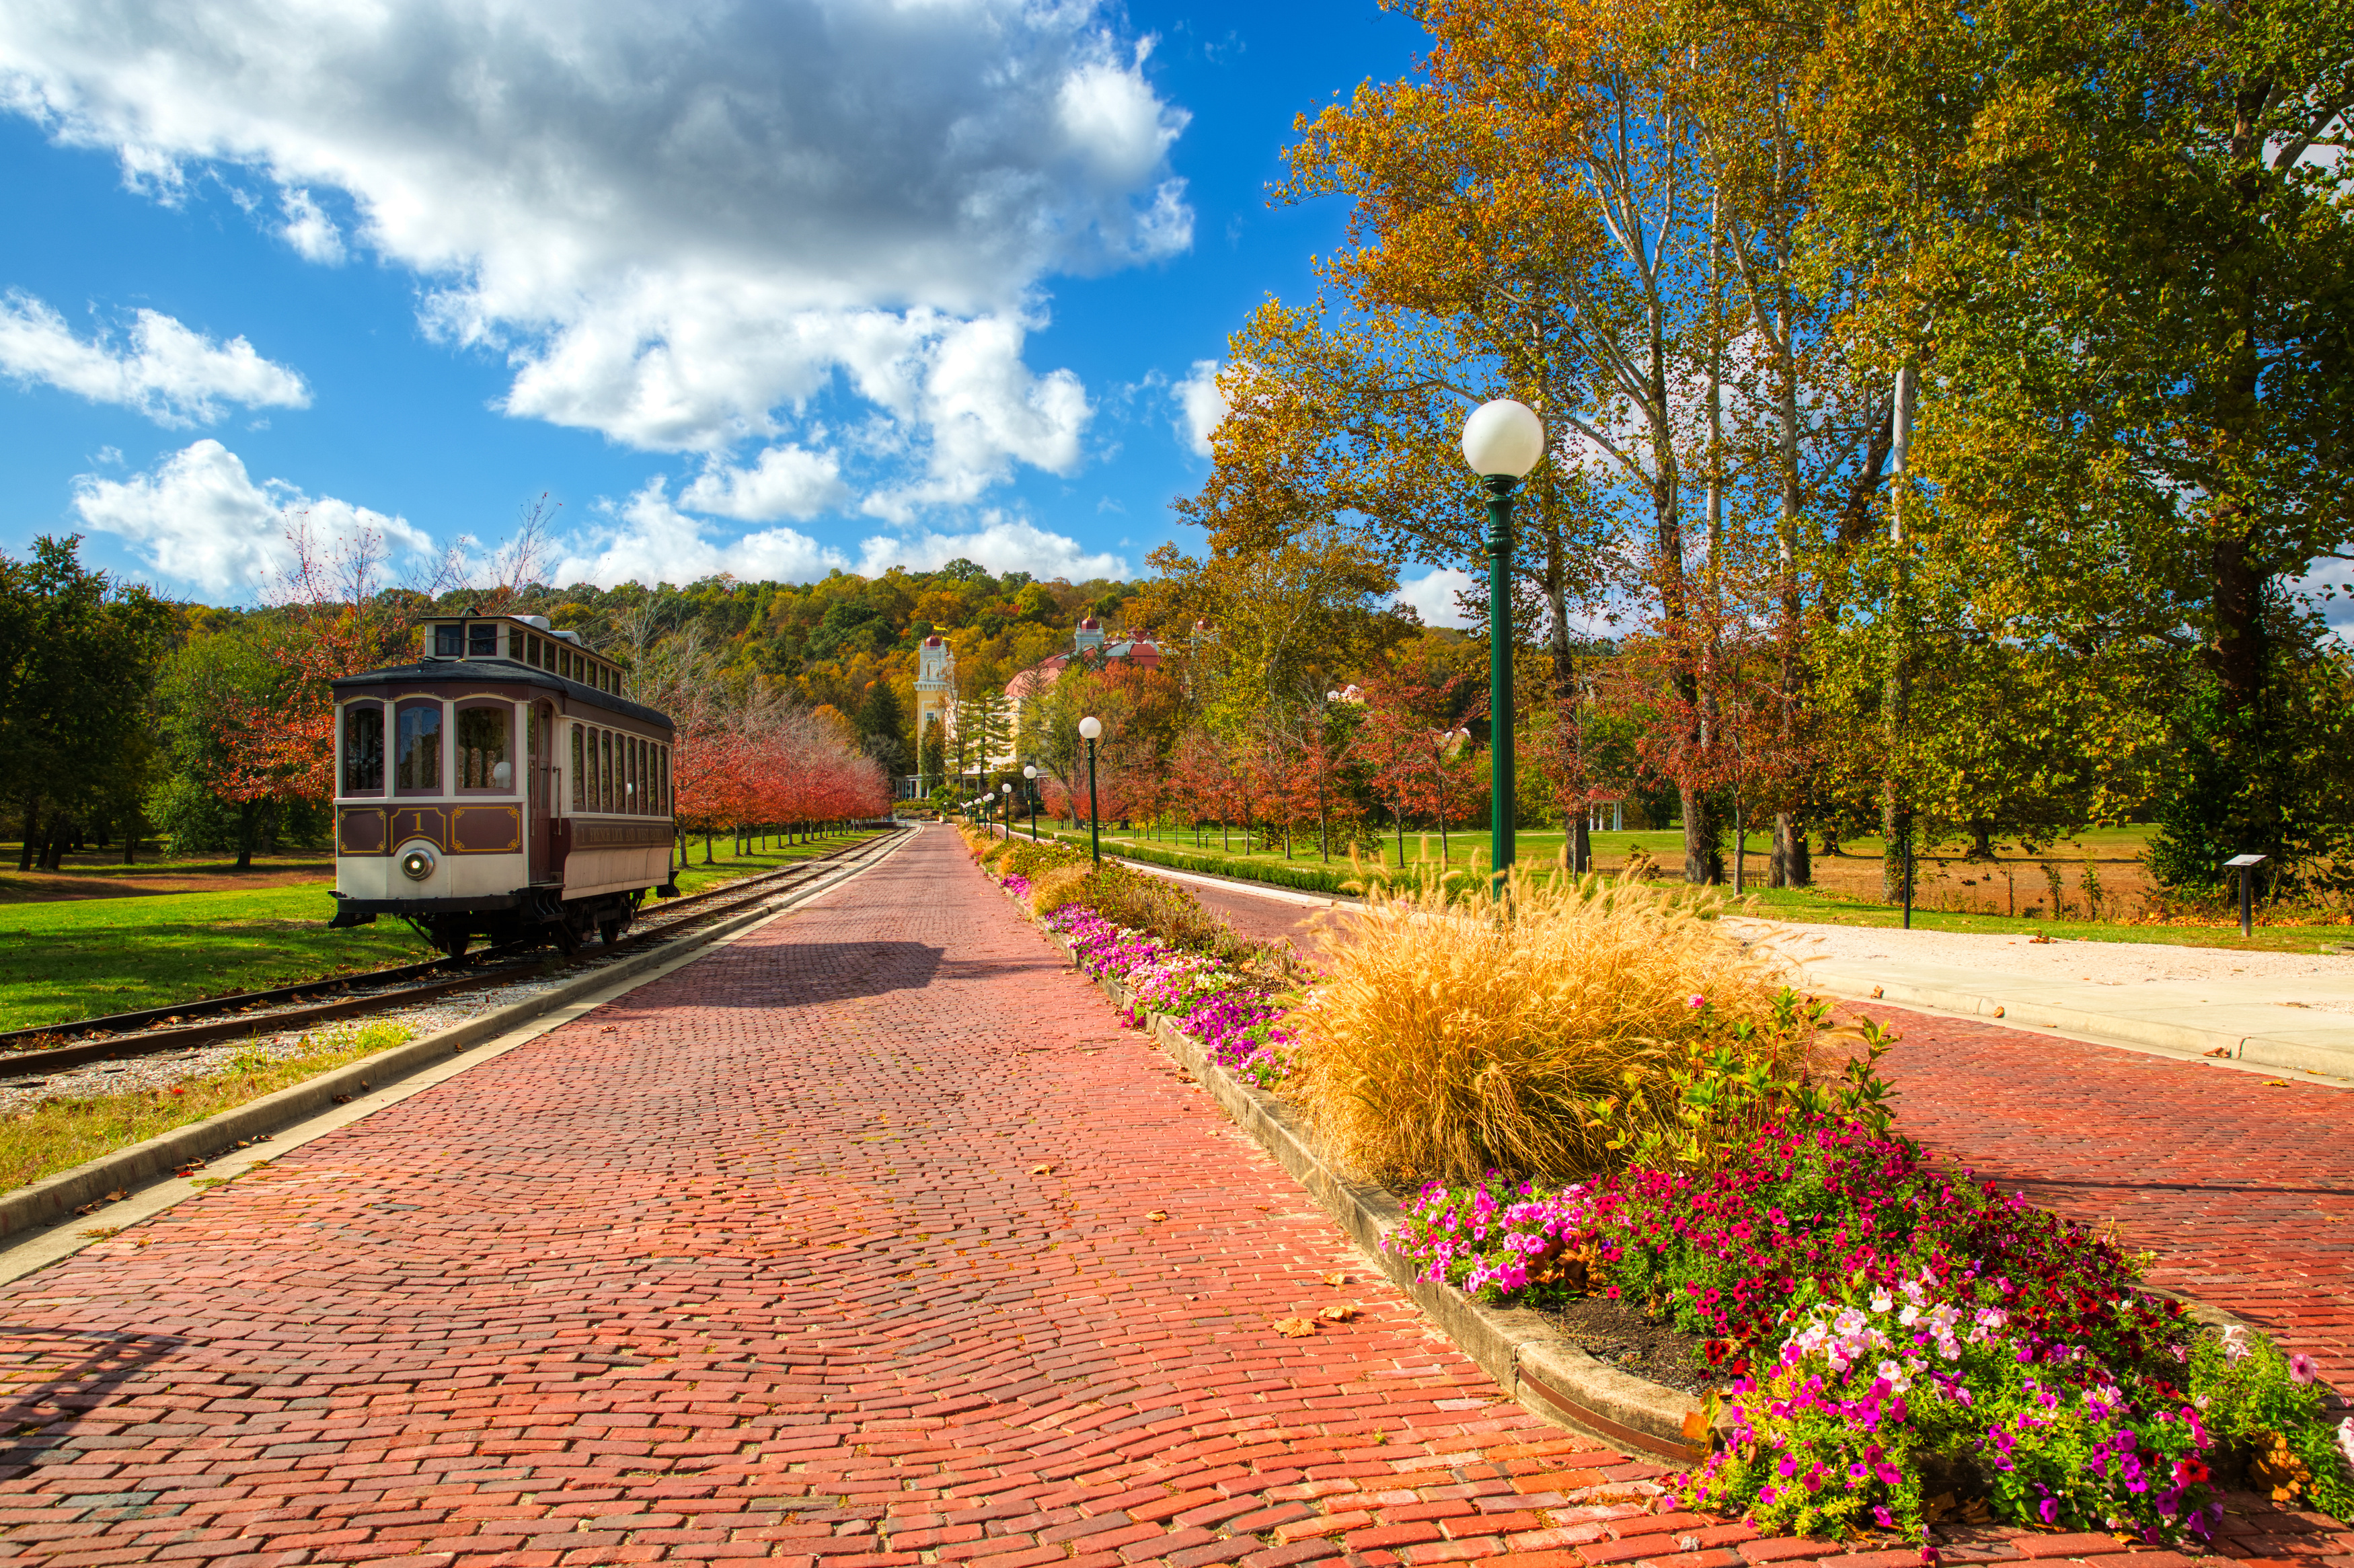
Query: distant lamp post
{"points": [[1090, 731], [1030, 771], [2245, 864], [1501, 441], [1007, 791]]}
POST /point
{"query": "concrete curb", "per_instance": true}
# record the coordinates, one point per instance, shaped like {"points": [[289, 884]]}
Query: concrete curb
{"points": [[1543, 1372], [55, 1199]]}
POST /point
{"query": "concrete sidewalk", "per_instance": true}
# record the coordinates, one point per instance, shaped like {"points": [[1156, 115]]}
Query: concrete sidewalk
{"points": [[2239, 1020]]}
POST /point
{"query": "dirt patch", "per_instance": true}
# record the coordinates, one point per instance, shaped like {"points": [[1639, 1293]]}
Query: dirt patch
{"points": [[1610, 1332]]}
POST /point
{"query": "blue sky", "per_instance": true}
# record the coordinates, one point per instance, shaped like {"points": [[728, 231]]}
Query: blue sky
{"points": [[752, 288]]}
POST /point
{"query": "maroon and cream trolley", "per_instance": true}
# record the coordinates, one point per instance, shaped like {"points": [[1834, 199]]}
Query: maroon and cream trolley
{"points": [[500, 786]]}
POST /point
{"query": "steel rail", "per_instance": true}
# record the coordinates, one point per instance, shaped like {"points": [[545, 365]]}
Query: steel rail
{"points": [[129, 1040]]}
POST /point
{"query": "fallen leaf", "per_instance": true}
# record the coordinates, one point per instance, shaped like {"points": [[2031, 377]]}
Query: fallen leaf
{"points": [[1293, 1328], [1339, 1312], [2220, 1051], [1041, 1171], [1158, 1214], [1336, 1279], [2275, 1082], [2038, 940], [100, 1233]]}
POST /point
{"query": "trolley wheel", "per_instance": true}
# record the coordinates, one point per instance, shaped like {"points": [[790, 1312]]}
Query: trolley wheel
{"points": [[452, 937], [611, 930]]}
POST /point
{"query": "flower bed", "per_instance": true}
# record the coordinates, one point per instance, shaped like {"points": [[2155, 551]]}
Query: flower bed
{"points": [[1231, 1011], [1903, 1344], [1898, 1343]]}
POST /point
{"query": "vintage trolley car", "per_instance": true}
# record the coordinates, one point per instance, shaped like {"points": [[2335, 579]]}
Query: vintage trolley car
{"points": [[500, 786]]}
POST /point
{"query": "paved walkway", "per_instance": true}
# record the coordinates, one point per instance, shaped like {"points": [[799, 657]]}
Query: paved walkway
{"points": [[869, 1239]]}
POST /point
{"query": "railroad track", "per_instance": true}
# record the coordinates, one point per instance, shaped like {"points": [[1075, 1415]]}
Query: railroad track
{"points": [[153, 1031]]}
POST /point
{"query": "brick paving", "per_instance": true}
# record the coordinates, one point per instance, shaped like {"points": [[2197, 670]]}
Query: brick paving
{"points": [[869, 1239]]}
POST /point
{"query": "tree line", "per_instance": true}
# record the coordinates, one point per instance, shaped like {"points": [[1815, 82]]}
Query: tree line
{"points": [[1948, 405]]}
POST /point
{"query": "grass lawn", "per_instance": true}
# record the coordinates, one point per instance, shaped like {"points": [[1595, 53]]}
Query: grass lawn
{"points": [[66, 958], [59, 1134], [76, 958], [1841, 898]]}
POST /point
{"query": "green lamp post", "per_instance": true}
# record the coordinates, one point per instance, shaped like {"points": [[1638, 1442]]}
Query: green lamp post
{"points": [[1501, 441]]}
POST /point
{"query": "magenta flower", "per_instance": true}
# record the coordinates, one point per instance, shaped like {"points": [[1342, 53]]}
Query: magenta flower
{"points": [[2302, 1368]]}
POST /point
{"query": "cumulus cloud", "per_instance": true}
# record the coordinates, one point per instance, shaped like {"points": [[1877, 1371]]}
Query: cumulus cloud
{"points": [[309, 231], [650, 538], [785, 482], [1432, 595], [198, 516], [1201, 406], [172, 375], [1001, 543], [681, 223]]}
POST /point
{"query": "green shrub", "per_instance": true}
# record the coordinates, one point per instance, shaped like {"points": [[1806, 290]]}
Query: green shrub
{"points": [[2267, 1423]]}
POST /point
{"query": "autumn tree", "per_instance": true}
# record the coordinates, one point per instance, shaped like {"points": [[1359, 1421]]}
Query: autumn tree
{"points": [[2113, 238]]}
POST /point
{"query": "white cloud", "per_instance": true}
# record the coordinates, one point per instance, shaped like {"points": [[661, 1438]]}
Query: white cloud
{"points": [[172, 375], [681, 223], [1432, 595], [1000, 542], [1201, 406], [309, 231], [199, 517], [785, 482], [650, 540]]}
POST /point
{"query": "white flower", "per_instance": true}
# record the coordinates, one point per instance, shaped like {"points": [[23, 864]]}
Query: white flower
{"points": [[2346, 1440], [1910, 1316], [1882, 1301]]}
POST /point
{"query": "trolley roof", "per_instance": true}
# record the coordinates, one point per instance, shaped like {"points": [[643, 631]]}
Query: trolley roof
{"points": [[481, 671]]}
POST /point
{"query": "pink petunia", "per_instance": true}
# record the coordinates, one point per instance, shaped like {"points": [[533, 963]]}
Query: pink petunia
{"points": [[2302, 1368]]}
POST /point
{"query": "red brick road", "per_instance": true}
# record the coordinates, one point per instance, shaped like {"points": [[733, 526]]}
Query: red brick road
{"points": [[759, 1260]]}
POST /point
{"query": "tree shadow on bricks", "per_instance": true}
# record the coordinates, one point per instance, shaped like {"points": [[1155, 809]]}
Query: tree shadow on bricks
{"points": [[52, 1378], [807, 974]]}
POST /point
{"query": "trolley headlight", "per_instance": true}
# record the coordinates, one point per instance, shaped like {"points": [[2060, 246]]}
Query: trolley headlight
{"points": [[417, 864]]}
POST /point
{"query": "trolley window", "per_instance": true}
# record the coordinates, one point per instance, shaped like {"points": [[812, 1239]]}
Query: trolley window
{"points": [[605, 768], [666, 808], [485, 744], [363, 748], [417, 752], [637, 776], [482, 640], [580, 772], [448, 640]]}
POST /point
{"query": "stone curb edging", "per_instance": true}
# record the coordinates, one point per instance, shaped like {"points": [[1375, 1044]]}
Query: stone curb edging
{"points": [[1517, 1348], [54, 1200]]}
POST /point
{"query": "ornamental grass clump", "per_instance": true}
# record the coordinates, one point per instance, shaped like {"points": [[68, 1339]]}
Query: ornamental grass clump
{"points": [[1562, 1028]]}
